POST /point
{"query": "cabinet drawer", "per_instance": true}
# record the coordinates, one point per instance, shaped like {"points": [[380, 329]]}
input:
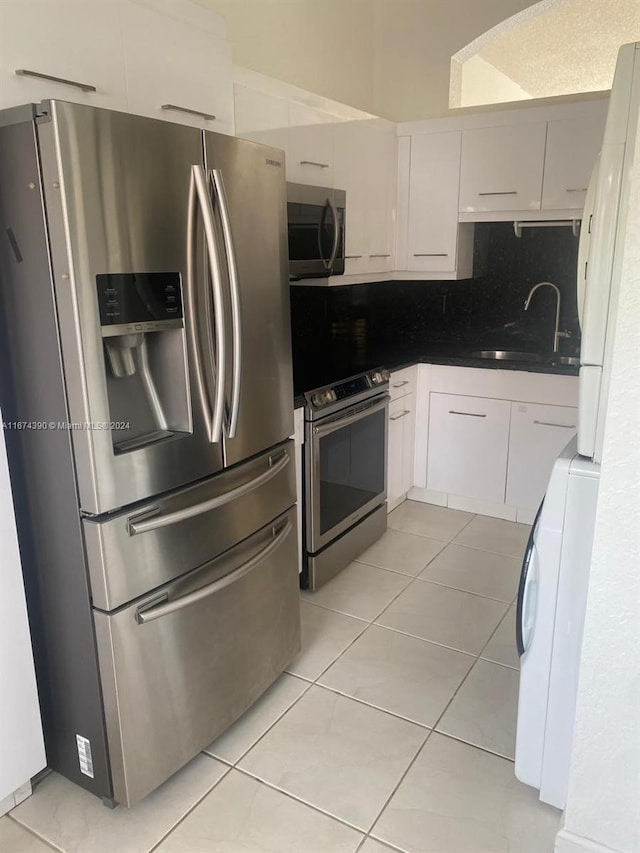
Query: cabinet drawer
{"points": [[537, 437], [402, 382], [468, 446]]}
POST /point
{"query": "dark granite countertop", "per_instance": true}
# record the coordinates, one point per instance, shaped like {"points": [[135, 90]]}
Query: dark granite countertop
{"points": [[340, 365]]}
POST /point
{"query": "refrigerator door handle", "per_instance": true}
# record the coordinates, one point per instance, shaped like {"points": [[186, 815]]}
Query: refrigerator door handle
{"points": [[206, 209], [191, 322], [234, 288], [153, 522], [526, 589], [155, 610]]}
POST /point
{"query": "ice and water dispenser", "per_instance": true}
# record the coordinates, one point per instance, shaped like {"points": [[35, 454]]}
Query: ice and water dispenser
{"points": [[142, 325]]}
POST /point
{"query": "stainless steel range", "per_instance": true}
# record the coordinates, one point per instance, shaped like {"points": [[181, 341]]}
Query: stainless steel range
{"points": [[345, 472]]}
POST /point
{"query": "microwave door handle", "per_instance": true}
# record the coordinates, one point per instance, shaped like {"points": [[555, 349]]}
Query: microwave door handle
{"points": [[336, 234], [323, 216], [192, 308], [234, 289], [206, 209]]}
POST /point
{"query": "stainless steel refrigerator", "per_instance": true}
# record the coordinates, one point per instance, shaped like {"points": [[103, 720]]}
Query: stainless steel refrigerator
{"points": [[147, 395]]}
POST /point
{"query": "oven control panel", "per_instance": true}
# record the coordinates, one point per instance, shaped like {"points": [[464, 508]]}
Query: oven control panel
{"points": [[352, 387]]}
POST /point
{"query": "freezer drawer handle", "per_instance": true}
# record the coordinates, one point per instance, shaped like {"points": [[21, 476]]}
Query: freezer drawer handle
{"points": [[146, 524], [155, 611]]}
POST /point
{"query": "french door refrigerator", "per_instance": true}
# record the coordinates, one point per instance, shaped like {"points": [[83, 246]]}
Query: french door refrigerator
{"points": [[147, 395]]}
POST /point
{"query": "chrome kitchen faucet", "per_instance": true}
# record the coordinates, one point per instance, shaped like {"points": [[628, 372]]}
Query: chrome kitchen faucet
{"points": [[556, 334]]}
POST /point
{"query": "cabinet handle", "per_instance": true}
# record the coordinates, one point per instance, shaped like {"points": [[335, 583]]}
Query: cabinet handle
{"points": [[387, 255], [312, 163], [400, 384], [550, 423], [467, 414], [577, 190], [178, 109], [351, 257], [431, 254], [399, 415], [501, 192], [86, 87]]}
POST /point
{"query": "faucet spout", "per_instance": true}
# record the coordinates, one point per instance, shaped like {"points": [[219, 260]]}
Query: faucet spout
{"points": [[556, 333]]}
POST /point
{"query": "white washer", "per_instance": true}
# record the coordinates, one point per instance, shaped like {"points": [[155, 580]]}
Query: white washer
{"points": [[549, 624]]}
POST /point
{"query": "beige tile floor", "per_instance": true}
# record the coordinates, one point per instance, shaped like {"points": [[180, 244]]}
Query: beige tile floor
{"points": [[393, 729]]}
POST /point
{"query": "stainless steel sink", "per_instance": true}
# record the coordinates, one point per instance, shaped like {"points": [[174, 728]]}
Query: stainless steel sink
{"points": [[506, 355], [567, 360]]}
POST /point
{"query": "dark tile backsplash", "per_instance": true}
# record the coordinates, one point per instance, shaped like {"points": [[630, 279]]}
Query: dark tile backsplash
{"points": [[342, 330]]}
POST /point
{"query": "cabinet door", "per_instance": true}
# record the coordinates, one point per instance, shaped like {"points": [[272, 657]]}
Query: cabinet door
{"points": [[78, 42], [538, 435], [572, 148], [310, 154], [468, 444], [261, 117], [171, 62], [433, 201], [395, 454], [502, 167], [364, 162]]}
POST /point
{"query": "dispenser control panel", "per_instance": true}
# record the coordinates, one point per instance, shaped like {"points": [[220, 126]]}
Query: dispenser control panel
{"points": [[147, 300]]}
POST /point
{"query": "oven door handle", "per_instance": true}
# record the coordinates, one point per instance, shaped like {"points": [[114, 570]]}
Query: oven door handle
{"points": [[346, 420]]}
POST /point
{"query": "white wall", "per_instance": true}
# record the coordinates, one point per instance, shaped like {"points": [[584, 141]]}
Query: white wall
{"points": [[414, 41], [479, 78], [603, 807], [389, 57], [324, 46]]}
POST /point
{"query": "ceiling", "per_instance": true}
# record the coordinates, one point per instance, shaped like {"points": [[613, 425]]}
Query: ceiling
{"points": [[570, 46], [393, 57]]}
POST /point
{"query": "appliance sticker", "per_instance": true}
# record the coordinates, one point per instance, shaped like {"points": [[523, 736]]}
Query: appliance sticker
{"points": [[84, 755]]}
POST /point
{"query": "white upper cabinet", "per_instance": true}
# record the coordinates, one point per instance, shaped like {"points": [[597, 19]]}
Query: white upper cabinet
{"points": [[433, 201], [75, 41], [502, 168], [310, 151], [176, 70], [364, 154], [261, 117], [572, 148]]}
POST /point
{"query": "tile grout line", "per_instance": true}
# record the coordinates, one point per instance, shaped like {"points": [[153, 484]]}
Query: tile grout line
{"points": [[467, 591], [309, 685], [194, 806], [299, 800], [33, 832]]}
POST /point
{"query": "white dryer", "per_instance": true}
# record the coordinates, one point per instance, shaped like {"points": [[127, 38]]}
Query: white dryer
{"points": [[549, 623]]}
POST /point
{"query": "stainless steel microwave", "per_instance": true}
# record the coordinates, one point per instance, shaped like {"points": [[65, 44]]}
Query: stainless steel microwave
{"points": [[315, 218]]}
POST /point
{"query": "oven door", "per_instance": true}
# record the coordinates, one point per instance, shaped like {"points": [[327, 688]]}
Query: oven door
{"points": [[346, 470]]}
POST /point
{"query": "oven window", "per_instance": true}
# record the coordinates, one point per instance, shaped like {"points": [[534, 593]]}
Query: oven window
{"points": [[352, 468]]}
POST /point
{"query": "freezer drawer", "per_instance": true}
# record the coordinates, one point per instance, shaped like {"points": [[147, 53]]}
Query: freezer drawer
{"points": [[179, 666], [135, 551]]}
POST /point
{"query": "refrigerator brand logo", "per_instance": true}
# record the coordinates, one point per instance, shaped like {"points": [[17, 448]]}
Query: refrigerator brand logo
{"points": [[273, 162]]}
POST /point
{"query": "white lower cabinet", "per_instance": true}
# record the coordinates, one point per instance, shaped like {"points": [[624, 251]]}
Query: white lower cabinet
{"points": [[538, 435], [400, 449], [468, 446]]}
